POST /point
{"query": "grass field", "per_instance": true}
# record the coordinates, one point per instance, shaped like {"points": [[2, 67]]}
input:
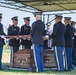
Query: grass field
{"points": [[6, 60]]}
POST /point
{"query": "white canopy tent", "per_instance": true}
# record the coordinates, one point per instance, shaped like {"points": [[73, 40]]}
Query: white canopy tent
{"points": [[49, 5], [53, 6], [39, 5]]}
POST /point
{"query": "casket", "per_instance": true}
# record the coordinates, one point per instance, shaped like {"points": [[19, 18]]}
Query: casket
{"points": [[25, 59], [49, 61], [22, 58]]}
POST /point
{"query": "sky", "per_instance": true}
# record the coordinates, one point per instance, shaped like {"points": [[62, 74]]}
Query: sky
{"points": [[9, 13]]}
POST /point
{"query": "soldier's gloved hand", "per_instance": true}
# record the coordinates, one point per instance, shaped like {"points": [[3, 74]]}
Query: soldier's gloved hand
{"points": [[17, 38], [2, 36], [46, 37]]}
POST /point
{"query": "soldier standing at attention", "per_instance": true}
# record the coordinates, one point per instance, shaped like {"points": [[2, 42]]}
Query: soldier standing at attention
{"points": [[1, 40], [38, 28], [74, 47], [13, 30], [58, 42], [25, 30], [69, 33]]}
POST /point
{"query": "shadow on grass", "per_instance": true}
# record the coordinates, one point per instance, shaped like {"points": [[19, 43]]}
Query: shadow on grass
{"points": [[46, 72], [22, 72], [12, 70]]}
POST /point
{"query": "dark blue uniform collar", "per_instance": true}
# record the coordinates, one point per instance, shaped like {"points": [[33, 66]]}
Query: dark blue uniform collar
{"points": [[14, 25], [38, 20], [26, 25], [68, 25], [59, 22]]}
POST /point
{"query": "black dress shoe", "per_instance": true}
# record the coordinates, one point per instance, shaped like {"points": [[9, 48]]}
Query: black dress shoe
{"points": [[67, 70], [33, 70], [58, 70]]}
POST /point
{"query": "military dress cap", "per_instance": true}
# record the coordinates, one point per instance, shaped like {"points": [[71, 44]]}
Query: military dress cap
{"points": [[27, 18], [49, 24], [37, 13], [67, 18], [58, 16], [15, 18], [0, 15]]}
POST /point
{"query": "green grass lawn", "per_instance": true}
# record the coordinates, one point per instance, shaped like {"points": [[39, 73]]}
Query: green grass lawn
{"points": [[16, 72], [6, 61]]}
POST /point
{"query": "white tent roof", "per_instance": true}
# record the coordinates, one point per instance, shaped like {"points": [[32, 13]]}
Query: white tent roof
{"points": [[50, 5]]}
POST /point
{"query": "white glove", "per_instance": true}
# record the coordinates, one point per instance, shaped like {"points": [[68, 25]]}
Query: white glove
{"points": [[46, 37], [17, 38], [2, 36]]}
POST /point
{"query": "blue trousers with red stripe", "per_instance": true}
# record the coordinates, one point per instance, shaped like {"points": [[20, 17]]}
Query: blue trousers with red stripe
{"points": [[69, 57], [59, 55], [38, 57]]}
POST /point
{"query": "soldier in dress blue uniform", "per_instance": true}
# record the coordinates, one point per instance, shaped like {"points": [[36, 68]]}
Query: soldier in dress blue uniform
{"points": [[58, 42], [74, 51], [2, 43], [14, 31], [69, 42], [74, 47], [25, 30], [38, 28]]}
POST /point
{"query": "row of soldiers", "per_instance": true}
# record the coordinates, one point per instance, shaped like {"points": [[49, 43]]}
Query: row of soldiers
{"points": [[14, 30], [25, 30], [63, 36], [58, 39], [69, 43]]}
